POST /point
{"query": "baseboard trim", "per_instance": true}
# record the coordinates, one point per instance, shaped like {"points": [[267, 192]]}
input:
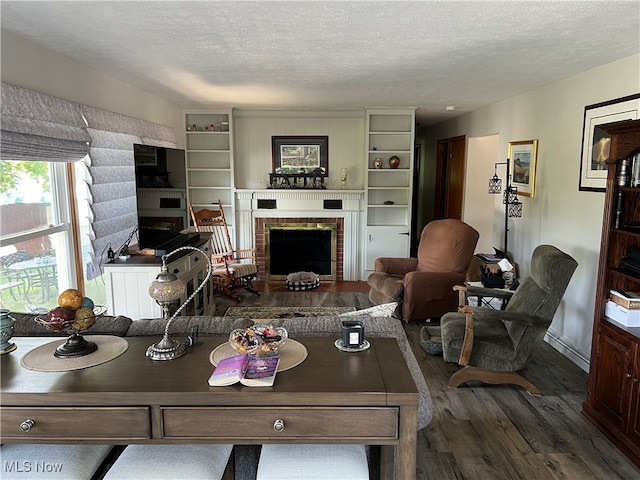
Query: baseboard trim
{"points": [[570, 351]]}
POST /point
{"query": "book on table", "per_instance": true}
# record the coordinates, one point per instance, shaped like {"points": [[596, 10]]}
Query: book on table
{"points": [[249, 370]]}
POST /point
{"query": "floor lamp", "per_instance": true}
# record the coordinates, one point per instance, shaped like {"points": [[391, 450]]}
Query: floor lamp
{"points": [[512, 206]]}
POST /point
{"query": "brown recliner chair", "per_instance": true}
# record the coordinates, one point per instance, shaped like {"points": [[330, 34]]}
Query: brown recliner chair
{"points": [[423, 286]]}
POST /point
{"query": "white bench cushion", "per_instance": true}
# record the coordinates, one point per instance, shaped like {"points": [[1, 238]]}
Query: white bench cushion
{"points": [[66, 462], [173, 462], [313, 462]]}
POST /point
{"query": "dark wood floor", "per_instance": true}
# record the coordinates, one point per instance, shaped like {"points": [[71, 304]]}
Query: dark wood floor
{"points": [[489, 431]]}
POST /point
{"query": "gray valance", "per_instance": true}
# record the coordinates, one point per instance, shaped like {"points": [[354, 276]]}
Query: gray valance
{"points": [[39, 127]]}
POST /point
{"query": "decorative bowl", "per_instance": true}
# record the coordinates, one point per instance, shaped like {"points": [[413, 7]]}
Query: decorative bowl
{"points": [[65, 320], [73, 323], [260, 339]]}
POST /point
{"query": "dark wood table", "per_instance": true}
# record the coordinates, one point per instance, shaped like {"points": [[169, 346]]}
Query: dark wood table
{"points": [[332, 397]]}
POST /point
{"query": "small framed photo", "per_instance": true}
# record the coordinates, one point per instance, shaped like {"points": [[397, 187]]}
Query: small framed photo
{"points": [[522, 163], [596, 142]]}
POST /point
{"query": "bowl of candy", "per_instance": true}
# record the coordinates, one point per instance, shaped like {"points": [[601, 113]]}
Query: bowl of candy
{"points": [[74, 315], [260, 339]]}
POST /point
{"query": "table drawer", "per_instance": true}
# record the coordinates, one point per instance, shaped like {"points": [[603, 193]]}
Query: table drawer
{"points": [[180, 267], [107, 423], [280, 423]]}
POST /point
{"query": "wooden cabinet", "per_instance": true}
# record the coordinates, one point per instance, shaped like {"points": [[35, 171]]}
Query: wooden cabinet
{"points": [[127, 283], [613, 395], [209, 151], [389, 182]]}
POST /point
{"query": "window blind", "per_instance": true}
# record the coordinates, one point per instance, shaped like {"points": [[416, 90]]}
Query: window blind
{"points": [[110, 176], [35, 126], [39, 127]]}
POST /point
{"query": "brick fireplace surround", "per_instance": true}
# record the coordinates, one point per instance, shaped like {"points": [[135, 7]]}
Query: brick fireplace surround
{"points": [[343, 207], [260, 240]]}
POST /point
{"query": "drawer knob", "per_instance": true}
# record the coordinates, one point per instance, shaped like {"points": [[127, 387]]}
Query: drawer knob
{"points": [[278, 425], [26, 425]]}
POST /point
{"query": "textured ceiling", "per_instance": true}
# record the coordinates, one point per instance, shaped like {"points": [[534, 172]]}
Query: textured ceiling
{"points": [[306, 54]]}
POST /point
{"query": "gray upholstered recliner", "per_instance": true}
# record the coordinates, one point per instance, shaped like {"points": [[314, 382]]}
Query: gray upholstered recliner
{"points": [[493, 345]]}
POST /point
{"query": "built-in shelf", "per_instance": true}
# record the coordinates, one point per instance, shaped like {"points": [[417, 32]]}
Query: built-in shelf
{"points": [[390, 133], [209, 155]]}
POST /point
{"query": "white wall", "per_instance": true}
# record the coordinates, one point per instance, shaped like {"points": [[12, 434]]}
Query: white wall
{"points": [[29, 65], [559, 214], [478, 207], [253, 130]]}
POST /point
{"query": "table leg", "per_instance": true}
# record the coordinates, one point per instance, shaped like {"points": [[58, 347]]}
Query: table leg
{"points": [[399, 462]]}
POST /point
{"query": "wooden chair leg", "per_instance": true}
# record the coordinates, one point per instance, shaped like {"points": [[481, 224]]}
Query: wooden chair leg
{"points": [[223, 286], [492, 377], [248, 286]]}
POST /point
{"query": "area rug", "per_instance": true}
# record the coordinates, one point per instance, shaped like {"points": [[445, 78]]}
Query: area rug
{"points": [[285, 312]]}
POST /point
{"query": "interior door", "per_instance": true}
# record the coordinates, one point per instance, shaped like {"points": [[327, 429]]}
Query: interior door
{"points": [[450, 170]]}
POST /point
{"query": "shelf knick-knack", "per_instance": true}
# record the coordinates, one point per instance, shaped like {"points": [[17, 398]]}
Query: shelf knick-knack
{"points": [[394, 162], [377, 163]]}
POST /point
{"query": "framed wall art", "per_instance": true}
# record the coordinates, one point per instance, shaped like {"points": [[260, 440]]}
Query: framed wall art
{"points": [[301, 154], [595, 141], [522, 163]]}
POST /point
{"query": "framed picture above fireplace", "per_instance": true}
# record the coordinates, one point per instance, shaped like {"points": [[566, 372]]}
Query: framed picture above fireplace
{"points": [[301, 154]]}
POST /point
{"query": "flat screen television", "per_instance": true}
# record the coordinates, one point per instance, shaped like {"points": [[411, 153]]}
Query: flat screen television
{"points": [[161, 198]]}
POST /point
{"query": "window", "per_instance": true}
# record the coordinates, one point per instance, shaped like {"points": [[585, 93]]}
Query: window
{"points": [[36, 242]]}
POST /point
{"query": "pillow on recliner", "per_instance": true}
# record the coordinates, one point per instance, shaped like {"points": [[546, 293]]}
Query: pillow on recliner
{"points": [[384, 310]]}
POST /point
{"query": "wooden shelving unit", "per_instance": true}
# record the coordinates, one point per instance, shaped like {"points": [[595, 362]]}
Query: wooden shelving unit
{"points": [[613, 397]]}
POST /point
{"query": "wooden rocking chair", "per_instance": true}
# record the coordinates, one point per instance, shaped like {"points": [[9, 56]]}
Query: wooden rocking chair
{"points": [[232, 269]]}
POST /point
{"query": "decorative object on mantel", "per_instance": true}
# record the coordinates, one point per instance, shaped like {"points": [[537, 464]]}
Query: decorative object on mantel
{"points": [[297, 180], [6, 331], [166, 289], [394, 162], [343, 178], [74, 315], [513, 206]]}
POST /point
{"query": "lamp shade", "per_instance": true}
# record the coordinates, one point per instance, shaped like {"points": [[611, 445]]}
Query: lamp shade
{"points": [[166, 288], [495, 184], [515, 209]]}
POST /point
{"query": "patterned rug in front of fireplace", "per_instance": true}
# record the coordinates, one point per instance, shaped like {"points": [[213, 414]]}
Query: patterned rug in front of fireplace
{"points": [[285, 312]]}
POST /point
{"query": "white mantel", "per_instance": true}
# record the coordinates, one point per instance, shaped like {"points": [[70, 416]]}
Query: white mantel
{"points": [[295, 203]]}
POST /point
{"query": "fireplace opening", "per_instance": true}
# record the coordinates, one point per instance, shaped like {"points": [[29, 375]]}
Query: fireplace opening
{"points": [[295, 247]]}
